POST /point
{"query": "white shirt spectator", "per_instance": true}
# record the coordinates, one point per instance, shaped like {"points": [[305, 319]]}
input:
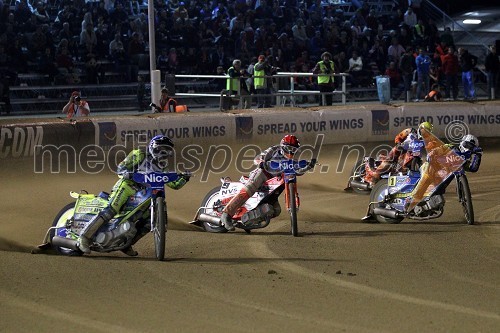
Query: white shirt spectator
{"points": [[410, 18]]}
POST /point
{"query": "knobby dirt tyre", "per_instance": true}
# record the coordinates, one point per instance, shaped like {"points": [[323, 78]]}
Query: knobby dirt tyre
{"points": [[160, 228]]}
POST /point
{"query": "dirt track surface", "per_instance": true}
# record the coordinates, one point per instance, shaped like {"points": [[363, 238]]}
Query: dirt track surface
{"points": [[341, 275]]}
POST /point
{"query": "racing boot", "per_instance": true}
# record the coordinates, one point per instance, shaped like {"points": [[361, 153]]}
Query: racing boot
{"points": [[227, 221], [91, 228], [130, 251], [236, 202]]}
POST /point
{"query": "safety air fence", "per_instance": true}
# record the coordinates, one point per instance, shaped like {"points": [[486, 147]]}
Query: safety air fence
{"points": [[338, 125]]}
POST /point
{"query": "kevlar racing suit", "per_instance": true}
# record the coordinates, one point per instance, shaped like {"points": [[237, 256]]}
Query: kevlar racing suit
{"points": [[256, 178], [136, 161], [373, 175]]}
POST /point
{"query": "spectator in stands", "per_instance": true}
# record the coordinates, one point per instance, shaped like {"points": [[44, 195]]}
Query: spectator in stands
{"points": [[299, 34], [325, 68], [102, 36], [46, 63], [410, 18], [356, 71], [407, 66], [22, 11], [423, 62], [42, 16], [76, 106], [118, 55], [420, 36], [395, 51], [447, 37], [450, 70], [88, 40], [492, 67], [467, 64], [395, 80]]}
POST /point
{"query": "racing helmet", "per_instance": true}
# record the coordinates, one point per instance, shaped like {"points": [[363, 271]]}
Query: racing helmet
{"points": [[289, 145], [425, 125], [161, 148], [468, 143]]}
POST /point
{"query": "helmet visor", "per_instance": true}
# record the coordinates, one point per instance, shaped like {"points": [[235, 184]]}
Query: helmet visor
{"points": [[468, 145], [289, 150]]}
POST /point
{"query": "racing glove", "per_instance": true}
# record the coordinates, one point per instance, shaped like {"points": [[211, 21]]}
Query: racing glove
{"points": [[126, 175], [312, 163]]}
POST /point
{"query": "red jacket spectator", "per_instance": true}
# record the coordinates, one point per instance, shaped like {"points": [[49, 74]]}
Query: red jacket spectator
{"points": [[450, 64]]}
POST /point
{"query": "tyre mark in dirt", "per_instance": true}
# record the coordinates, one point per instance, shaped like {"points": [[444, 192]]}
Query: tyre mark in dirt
{"points": [[49, 311], [236, 300], [261, 249]]}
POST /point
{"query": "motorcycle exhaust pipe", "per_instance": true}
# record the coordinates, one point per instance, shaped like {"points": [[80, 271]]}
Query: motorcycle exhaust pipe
{"points": [[209, 218], [360, 185], [65, 242], [386, 212]]}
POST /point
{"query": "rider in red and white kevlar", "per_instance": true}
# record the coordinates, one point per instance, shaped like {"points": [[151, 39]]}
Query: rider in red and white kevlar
{"points": [[373, 174], [284, 151]]}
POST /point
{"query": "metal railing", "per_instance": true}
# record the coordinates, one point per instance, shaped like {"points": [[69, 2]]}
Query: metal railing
{"points": [[281, 95]]}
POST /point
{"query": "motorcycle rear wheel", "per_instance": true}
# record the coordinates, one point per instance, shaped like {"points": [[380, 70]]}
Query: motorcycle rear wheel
{"points": [[60, 220], [465, 198], [359, 168], [160, 228], [209, 201], [378, 193], [293, 210]]}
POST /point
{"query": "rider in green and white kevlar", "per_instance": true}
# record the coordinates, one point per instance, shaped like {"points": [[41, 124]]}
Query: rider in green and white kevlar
{"points": [[155, 159]]}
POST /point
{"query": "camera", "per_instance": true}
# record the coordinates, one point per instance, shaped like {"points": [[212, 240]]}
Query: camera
{"points": [[78, 99]]}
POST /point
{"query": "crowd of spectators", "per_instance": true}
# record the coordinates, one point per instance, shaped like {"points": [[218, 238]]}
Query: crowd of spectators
{"points": [[72, 41]]}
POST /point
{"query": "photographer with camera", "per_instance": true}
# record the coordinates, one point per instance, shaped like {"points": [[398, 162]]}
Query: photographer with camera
{"points": [[76, 107], [325, 68]]}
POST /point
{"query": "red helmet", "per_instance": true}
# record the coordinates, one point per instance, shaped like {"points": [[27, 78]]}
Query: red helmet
{"points": [[289, 145]]}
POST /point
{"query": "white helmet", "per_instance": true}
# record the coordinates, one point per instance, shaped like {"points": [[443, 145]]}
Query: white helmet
{"points": [[468, 142], [161, 148]]}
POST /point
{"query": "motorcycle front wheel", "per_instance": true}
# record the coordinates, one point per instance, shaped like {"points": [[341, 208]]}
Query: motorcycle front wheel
{"points": [[378, 193], [160, 228], [293, 210], [465, 198], [209, 201], [60, 221]]}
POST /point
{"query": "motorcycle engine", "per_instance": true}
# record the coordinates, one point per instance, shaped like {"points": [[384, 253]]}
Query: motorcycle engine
{"points": [[435, 203], [117, 236], [258, 214]]}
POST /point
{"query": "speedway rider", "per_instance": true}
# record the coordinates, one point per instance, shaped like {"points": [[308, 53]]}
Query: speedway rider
{"points": [[468, 148], [284, 151], [373, 175], [155, 159]]}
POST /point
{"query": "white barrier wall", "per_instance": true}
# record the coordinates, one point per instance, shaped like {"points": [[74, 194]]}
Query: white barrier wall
{"points": [[348, 124]]}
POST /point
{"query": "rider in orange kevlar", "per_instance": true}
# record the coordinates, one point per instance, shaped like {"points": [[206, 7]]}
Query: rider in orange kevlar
{"points": [[285, 150], [373, 175]]}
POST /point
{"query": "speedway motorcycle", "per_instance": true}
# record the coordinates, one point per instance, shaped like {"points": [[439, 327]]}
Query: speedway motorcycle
{"points": [[392, 198], [144, 212], [259, 209], [411, 160]]}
